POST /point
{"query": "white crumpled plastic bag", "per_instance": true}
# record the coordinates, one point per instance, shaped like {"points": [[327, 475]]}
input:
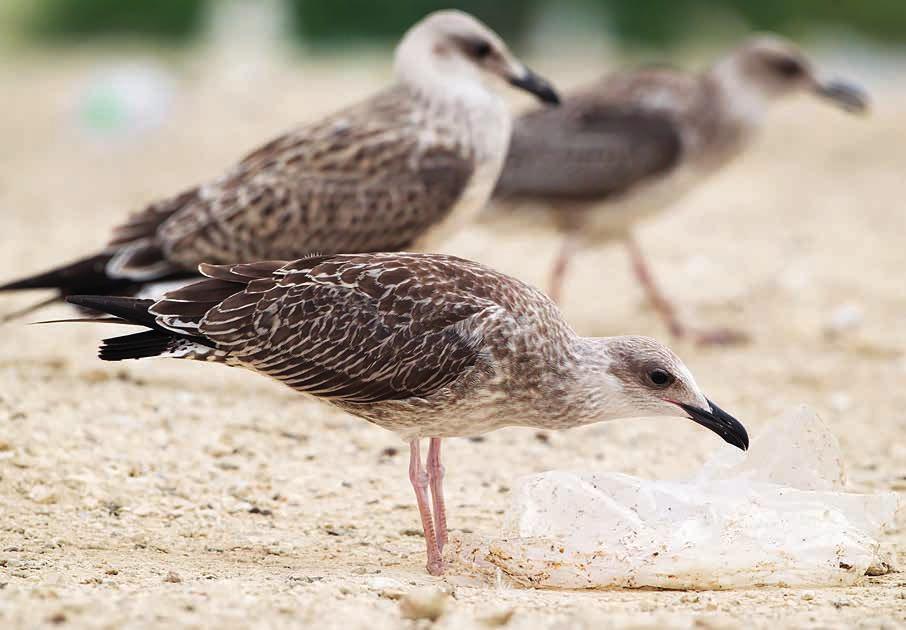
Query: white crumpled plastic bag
{"points": [[778, 515]]}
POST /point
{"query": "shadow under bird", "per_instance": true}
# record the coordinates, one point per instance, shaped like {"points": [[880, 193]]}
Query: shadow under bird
{"points": [[425, 345], [629, 145], [393, 172]]}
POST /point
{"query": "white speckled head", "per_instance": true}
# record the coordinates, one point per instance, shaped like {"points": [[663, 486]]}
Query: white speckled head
{"points": [[452, 53], [650, 376], [773, 65], [766, 68], [652, 381]]}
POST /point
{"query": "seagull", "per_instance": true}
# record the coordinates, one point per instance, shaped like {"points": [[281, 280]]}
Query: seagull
{"points": [[426, 345], [397, 171], [627, 146]]}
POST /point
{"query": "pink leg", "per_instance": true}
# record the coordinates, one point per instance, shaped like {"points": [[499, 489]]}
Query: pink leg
{"points": [[666, 310], [660, 302], [561, 263], [436, 479], [419, 478]]}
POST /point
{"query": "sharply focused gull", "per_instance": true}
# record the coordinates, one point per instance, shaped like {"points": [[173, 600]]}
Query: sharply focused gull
{"points": [[395, 171], [425, 345], [627, 146]]}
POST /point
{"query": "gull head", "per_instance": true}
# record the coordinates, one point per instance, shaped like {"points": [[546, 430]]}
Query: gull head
{"points": [[769, 67], [452, 52], [652, 381]]}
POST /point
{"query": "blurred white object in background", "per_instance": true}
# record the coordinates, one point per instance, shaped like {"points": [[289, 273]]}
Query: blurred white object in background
{"points": [[244, 40], [778, 515], [124, 100], [844, 318]]}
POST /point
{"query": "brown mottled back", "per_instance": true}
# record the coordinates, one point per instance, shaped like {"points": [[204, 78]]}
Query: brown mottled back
{"points": [[352, 328], [373, 177]]}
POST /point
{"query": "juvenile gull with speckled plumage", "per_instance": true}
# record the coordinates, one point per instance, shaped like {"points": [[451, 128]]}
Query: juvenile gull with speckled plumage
{"points": [[627, 146], [428, 346], [393, 172]]}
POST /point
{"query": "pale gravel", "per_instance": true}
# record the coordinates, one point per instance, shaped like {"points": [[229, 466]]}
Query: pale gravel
{"points": [[170, 494]]}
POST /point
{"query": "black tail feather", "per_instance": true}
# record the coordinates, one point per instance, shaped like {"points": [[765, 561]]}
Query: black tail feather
{"points": [[150, 343]]}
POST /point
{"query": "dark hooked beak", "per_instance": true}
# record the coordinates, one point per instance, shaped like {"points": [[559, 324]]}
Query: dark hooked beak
{"points": [[719, 421], [849, 97], [540, 87]]}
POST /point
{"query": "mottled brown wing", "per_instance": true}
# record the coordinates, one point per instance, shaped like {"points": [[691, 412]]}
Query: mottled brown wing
{"points": [[354, 328], [587, 150], [135, 249], [373, 178], [144, 223]]}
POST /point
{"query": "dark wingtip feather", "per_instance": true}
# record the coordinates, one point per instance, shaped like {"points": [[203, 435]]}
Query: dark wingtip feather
{"points": [[86, 275], [129, 309], [49, 280], [32, 282]]}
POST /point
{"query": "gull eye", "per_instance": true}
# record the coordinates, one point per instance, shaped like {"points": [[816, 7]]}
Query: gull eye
{"points": [[661, 378], [480, 49], [787, 67]]}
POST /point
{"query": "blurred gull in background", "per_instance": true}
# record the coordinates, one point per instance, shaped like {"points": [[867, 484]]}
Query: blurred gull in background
{"points": [[627, 146]]}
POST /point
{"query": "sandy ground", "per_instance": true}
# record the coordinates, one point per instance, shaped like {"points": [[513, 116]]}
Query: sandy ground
{"points": [[170, 494]]}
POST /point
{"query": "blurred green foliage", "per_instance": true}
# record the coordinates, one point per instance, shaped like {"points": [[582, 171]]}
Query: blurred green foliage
{"points": [[343, 19], [75, 19], [645, 21], [663, 21]]}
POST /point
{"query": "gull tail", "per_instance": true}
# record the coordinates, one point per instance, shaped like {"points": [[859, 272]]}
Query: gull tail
{"points": [[155, 342], [85, 276]]}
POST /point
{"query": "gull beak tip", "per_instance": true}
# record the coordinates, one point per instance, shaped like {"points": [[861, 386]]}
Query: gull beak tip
{"points": [[720, 422], [537, 85], [849, 97]]}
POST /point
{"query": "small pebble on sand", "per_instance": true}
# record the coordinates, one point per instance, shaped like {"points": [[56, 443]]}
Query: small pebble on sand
{"points": [[173, 578]]}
